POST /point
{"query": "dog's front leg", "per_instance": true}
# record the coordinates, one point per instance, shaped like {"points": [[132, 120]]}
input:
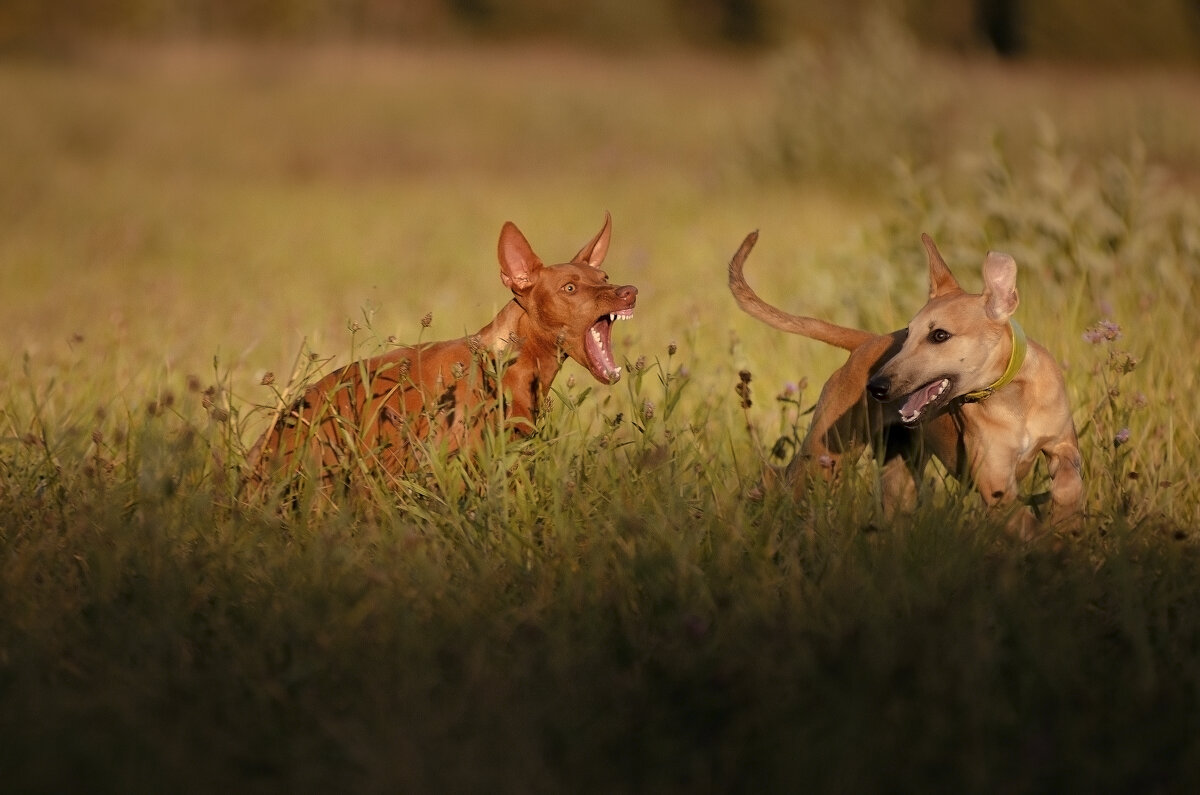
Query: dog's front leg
{"points": [[1066, 484], [995, 476]]}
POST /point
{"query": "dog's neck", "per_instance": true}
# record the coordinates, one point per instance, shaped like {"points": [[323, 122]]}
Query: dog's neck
{"points": [[1016, 358], [504, 331], [529, 360]]}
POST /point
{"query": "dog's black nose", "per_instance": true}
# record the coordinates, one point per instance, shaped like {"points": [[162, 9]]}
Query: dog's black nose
{"points": [[879, 387]]}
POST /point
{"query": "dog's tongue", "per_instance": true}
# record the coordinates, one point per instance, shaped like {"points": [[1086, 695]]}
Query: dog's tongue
{"points": [[917, 401], [598, 343]]}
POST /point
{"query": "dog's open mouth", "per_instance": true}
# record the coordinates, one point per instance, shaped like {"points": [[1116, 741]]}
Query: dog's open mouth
{"points": [[597, 343], [920, 402]]}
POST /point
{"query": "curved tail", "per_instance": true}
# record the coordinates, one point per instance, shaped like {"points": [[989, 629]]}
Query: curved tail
{"points": [[820, 330]]}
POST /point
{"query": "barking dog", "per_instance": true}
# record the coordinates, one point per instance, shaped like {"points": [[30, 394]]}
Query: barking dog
{"points": [[371, 414]]}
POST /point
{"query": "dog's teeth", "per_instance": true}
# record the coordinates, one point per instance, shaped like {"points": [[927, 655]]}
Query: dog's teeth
{"points": [[612, 318]]}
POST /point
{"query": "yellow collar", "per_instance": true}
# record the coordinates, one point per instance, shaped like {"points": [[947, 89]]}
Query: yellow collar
{"points": [[1015, 360]]}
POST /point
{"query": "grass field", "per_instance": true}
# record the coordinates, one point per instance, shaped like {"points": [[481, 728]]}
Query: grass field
{"points": [[613, 605]]}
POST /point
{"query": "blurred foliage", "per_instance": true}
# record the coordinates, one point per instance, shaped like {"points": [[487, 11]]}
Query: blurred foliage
{"points": [[846, 112], [849, 111], [1110, 227], [1078, 29], [1095, 30]]}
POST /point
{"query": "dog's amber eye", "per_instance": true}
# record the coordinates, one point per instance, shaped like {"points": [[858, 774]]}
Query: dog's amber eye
{"points": [[939, 335], [569, 287]]}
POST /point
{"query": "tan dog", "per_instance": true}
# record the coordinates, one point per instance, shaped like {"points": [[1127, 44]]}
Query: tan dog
{"points": [[371, 413], [960, 383]]}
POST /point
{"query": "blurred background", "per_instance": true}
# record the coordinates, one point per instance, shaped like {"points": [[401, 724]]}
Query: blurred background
{"points": [[1095, 30]]}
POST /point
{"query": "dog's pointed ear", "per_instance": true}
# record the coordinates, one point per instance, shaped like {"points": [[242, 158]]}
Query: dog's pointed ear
{"points": [[1000, 286], [593, 253], [518, 263], [941, 280]]}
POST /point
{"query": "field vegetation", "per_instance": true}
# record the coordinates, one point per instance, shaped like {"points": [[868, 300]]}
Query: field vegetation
{"points": [[188, 230]]}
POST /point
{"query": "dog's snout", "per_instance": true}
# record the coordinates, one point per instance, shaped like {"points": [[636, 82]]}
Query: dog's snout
{"points": [[880, 387], [627, 292]]}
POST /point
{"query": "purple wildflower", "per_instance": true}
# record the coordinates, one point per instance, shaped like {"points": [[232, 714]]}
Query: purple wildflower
{"points": [[1104, 331]]}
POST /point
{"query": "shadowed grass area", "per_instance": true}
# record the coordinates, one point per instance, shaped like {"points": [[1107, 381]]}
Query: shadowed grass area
{"points": [[615, 604]]}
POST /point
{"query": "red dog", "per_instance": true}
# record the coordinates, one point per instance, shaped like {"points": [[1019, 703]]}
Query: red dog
{"points": [[370, 413]]}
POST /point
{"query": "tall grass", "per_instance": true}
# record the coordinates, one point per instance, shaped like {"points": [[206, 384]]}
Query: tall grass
{"points": [[618, 602]]}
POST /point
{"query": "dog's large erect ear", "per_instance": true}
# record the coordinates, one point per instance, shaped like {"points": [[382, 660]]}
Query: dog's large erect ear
{"points": [[1000, 286], [593, 253], [941, 280], [518, 263]]}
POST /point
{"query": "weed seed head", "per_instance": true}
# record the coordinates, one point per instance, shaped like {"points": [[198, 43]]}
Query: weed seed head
{"points": [[427, 321], [268, 378], [1122, 362], [743, 389]]}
